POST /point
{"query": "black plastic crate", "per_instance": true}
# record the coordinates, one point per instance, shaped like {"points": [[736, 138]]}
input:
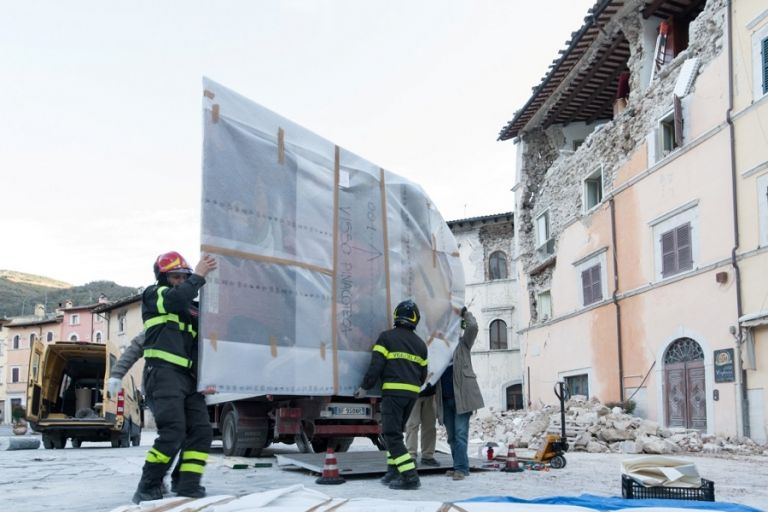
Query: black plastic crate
{"points": [[632, 489]]}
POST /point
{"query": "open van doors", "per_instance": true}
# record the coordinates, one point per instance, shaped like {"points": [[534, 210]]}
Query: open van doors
{"points": [[34, 381]]}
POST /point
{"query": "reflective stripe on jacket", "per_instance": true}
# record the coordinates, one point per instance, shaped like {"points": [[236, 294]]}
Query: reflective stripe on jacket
{"points": [[400, 360], [170, 329]]}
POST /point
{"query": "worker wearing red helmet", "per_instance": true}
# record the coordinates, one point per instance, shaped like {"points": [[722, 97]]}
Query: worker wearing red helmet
{"points": [[170, 382]]}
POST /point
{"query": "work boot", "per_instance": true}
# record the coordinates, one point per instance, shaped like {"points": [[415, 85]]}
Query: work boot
{"points": [[175, 485], [408, 481], [189, 486], [429, 461], [151, 483], [391, 475], [147, 494]]}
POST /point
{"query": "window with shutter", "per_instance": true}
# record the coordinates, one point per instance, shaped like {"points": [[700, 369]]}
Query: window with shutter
{"points": [[684, 250], [678, 120], [668, 259], [764, 52], [591, 285], [676, 250]]}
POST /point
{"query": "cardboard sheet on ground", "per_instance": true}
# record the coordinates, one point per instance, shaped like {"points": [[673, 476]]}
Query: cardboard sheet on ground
{"points": [[297, 498], [315, 247]]}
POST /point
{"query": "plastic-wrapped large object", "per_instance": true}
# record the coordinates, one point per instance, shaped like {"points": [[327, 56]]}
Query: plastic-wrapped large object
{"points": [[315, 247]]}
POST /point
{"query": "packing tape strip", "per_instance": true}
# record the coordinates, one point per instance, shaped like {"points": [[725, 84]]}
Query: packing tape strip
{"points": [[273, 345], [208, 93], [322, 350], [385, 233], [215, 113], [334, 308], [214, 340], [434, 251], [266, 259], [280, 146]]}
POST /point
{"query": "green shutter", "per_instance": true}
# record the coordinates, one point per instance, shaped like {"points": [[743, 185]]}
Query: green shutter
{"points": [[765, 64]]}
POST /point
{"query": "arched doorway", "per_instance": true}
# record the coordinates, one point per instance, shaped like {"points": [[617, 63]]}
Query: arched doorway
{"points": [[685, 390]]}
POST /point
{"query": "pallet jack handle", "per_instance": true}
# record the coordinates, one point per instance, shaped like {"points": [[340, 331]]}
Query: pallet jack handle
{"points": [[560, 392]]}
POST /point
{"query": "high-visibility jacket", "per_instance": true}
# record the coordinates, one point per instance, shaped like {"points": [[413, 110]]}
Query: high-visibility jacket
{"points": [[169, 325], [400, 360]]}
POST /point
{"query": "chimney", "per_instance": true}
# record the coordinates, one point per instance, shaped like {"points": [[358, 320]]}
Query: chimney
{"points": [[39, 310], [103, 299], [67, 304]]}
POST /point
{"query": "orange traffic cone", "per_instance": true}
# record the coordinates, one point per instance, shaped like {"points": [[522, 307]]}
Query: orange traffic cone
{"points": [[512, 465], [330, 470]]}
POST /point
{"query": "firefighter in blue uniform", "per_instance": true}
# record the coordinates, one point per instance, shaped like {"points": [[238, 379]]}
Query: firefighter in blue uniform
{"points": [[400, 360], [170, 382]]}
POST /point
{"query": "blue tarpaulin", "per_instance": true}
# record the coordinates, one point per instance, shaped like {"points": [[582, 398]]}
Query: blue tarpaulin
{"points": [[612, 503]]}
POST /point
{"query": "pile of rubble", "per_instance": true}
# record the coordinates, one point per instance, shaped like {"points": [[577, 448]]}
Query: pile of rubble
{"points": [[591, 426]]}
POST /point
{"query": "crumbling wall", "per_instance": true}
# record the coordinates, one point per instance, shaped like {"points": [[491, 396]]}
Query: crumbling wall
{"points": [[553, 182]]}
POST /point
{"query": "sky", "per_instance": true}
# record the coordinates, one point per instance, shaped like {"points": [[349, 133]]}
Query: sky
{"points": [[101, 132]]}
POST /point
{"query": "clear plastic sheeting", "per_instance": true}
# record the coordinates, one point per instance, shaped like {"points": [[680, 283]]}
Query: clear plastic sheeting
{"points": [[315, 247]]}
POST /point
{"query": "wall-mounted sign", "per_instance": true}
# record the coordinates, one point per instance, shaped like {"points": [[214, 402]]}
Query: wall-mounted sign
{"points": [[725, 370]]}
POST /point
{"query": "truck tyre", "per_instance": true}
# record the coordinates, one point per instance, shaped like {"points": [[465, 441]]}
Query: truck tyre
{"points": [[229, 436], [59, 441], [47, 442], [339, 444], [136, 440], [76, 443]]}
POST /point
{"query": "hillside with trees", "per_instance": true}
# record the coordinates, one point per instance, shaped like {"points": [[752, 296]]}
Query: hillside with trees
{"points": [[19, 292]]}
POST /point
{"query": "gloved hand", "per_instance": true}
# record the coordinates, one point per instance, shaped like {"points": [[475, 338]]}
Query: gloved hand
{"points": [[360, 393], [114, 385], [428, 390]]}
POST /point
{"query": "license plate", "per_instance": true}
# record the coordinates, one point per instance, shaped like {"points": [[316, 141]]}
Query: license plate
{"points": [[347, 411]]}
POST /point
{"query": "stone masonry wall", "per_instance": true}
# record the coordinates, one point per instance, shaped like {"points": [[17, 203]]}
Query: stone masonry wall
{"points": [[554, 182]]}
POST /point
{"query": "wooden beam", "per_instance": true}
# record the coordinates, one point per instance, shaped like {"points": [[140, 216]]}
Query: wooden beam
{"points": [[610, 98], [649, 10], [593, 69]]}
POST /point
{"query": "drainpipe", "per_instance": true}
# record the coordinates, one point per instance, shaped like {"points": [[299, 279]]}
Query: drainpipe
{"points": [[616, 300], [741, 380]]}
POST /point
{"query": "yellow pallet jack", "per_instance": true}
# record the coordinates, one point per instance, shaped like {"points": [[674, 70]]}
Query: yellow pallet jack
{"points": [[552, 453]]}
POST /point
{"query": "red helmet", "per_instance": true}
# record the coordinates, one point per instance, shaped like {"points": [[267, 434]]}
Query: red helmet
{"points": [[171, 262]]}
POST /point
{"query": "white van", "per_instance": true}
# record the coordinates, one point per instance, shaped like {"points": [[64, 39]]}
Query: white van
{"points": [[67, 395]]}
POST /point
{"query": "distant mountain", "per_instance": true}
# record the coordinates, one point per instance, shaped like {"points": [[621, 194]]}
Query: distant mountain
{"points": [[19, 292]]}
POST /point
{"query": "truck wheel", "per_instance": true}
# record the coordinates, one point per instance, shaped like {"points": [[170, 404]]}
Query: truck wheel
{"points": [[229, 436], [59, 441], [136, 440], [76, 443], [339, 444], [47, 442]]}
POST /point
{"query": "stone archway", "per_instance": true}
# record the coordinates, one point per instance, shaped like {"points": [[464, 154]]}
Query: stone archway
{"points": [[685, 392]]}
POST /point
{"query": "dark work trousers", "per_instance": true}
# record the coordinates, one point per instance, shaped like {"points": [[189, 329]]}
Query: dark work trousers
{"points": [[395, 411], [182, 424]]}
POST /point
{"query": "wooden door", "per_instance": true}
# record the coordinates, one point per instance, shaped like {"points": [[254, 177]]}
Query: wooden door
{"points": [[686, 397]]}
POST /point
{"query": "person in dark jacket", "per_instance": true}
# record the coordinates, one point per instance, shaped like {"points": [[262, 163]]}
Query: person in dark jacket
{"points": [[170, 383], [400, 360]]}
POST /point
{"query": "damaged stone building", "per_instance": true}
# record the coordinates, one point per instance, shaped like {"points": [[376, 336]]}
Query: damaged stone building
{"points": [[631, 193], [486, 246]]}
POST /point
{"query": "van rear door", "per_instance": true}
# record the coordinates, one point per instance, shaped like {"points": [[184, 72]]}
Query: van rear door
{"points": [[34, 380], [111, 354]]}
